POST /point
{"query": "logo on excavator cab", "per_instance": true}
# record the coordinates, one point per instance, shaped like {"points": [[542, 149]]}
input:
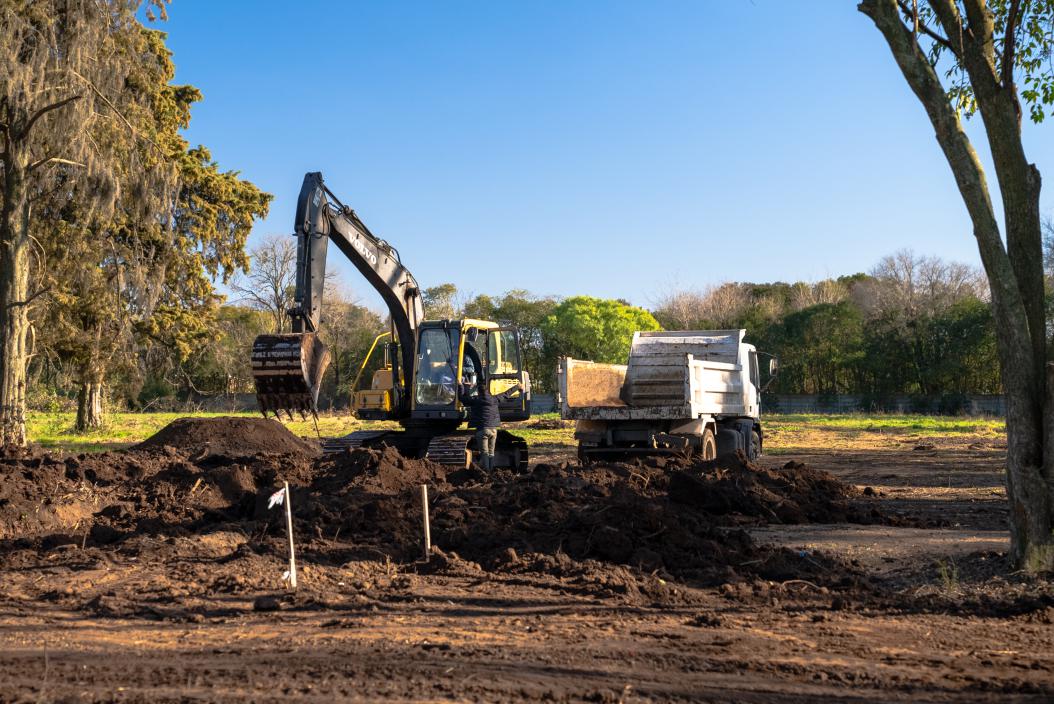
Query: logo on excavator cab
{"points": [[364, 250]]}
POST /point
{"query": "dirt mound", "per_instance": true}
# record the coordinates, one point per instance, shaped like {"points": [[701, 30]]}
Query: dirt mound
{"points": [[575, 522], [379, 470], [674, 517], [794, 493], [229, 436]]}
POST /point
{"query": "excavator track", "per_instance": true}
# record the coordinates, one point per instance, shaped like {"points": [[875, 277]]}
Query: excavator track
{"points": [[451, 449], [352, 441]]}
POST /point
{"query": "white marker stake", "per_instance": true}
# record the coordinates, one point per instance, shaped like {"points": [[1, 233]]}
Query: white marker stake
{"points": [[289, 529], [424, 516]]}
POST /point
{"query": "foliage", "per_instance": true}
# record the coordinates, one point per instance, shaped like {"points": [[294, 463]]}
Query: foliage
{"points": [[441, 302], [349, 331], [128, 289], [597, 329], [528, 314]]}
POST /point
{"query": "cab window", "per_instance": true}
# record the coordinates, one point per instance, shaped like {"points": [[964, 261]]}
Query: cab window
{"points": [[503, 354], [436, 367]]}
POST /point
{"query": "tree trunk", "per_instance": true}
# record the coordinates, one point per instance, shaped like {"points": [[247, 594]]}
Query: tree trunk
{"points": [[1015, 280], [14, 290], [89, 406], [14, 334]]}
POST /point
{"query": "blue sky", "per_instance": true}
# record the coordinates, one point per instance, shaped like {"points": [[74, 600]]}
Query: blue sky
{"points": [[618, 149]]}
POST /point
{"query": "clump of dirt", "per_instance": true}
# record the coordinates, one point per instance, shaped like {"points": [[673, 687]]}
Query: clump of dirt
{"points": [[230, 436], [378, 470]]}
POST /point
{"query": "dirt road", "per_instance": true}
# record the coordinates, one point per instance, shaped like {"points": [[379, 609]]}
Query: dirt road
{"points": [[161, 587]]}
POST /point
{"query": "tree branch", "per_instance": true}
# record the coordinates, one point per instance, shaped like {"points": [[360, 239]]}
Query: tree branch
{"points": [[912, 14], [1009, 41], [982, 27], [49, 160], [45, 110], [948, 16], [29, 299], [1008, 44], [118, 113]]}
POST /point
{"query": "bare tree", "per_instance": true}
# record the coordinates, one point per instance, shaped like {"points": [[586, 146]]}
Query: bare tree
{"points": [[723, 305], [914, 286], [805, 295], [271, 282], [983, 51], [680, 310]]}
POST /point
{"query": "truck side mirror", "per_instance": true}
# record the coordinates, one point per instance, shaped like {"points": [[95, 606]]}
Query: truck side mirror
{"points": [[774, 366]]}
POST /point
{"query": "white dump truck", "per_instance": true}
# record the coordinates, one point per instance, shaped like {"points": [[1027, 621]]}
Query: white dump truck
{"points": [[695, 391]]}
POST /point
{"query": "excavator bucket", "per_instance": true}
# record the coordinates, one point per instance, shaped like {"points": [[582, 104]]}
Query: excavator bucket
{"points": [[288, 372]]}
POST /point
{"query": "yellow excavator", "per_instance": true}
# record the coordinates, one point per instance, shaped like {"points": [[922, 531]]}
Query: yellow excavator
{"points": [[425, 363]]}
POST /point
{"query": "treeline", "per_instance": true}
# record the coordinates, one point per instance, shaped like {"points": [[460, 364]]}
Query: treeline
{"points": [[912, 325]]}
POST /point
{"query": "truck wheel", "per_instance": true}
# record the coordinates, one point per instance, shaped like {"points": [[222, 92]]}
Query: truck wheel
{"points": [[755, 445], [708, 447]]}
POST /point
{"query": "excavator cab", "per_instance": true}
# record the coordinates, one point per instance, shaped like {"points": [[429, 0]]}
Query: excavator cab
{"points": [[449, 353], [469, 352]]}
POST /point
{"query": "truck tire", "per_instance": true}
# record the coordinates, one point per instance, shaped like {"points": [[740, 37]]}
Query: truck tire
{"points": [[708, 446], [754, 451]]}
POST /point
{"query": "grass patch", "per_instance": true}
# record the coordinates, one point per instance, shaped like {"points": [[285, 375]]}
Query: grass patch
{"points": [[54, 429], [784, 433], [913, 424]]}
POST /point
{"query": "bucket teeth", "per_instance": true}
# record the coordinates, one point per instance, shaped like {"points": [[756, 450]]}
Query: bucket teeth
{"points": [[287, 371]]}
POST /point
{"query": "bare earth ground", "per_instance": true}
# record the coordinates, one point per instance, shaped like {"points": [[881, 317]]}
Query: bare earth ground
{"points": [[941, 620]]}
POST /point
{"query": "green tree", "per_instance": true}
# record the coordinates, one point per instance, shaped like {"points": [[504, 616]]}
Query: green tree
{"points": [[69, 73], [596, 329], [127, 281], [820, 348], [441, 302], [349, 331], [527, 314], [218, 366], [994, 58]]}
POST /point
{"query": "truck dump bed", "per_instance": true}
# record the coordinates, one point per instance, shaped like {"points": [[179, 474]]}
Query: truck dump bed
{"points": [[670, 375]]}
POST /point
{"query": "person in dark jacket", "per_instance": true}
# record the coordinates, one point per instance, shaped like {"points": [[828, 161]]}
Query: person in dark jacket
{"points": [[484, 416]]}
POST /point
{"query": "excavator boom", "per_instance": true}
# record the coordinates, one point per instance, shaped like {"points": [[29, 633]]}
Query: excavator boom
{"points": [[288, 369]]}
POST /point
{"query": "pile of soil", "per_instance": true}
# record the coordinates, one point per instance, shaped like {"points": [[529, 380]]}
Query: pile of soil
{"points": [[677, 519], [193, 471], [229, 436]]}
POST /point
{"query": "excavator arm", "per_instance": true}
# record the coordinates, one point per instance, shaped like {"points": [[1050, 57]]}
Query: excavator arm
{"points": [[288, 369]]}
